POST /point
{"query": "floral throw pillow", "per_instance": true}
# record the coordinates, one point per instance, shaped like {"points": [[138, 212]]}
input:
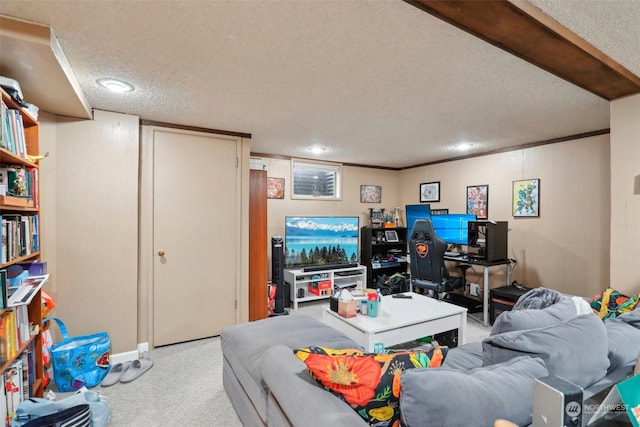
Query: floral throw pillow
{"points": [[369, 382]]}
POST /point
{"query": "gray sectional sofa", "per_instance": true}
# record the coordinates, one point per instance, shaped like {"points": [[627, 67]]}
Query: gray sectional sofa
{"points": [[268, 386]]}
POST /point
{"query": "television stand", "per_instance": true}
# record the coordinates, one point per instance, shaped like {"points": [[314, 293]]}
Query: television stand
{"points": [[323, 267], [316, 285]]}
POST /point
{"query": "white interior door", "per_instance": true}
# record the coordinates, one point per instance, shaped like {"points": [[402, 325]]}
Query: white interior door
{"points": [[195, 233]]}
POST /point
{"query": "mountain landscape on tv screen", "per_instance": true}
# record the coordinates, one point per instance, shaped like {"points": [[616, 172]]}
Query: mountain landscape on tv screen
{"points": [[321, 240], [301, 227]]}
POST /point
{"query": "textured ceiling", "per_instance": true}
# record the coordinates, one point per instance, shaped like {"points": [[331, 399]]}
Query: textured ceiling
{"points": [[375, 82]]}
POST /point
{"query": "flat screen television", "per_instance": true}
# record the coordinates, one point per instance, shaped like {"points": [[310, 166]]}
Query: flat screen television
{"points": [[453, 228], [317, 240], [414, 212]]}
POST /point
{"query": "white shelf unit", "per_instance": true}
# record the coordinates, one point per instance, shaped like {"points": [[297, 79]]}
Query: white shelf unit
{"points": [[340, 278]]}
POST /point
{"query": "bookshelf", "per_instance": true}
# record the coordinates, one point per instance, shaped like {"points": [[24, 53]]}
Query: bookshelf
{"points": [[20, 325], [383, 251]]}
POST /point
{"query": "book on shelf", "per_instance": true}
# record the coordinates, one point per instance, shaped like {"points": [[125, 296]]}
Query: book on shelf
{"points": [[26, 383], [25, 293], [16, 140], [13, 386], [3, 401], [20, 236], [3, 129], [4, 288]]}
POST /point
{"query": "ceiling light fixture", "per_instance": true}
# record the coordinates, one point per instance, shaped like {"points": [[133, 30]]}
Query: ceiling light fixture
{"points": [[317, 149], [463, 146], [114, 85]]}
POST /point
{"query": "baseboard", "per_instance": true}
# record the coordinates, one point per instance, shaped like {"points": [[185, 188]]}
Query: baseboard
{"points": [[129, 355], [123, 357]]}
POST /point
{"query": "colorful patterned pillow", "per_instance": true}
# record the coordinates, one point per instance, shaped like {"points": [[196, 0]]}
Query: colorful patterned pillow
{"points": [[369, 382]]}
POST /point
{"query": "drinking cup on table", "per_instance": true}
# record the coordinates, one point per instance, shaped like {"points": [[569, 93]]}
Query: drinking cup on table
{"points": [[372, 308]]}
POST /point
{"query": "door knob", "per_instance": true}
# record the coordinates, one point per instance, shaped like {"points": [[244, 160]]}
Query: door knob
{"points": [[160, 253]]}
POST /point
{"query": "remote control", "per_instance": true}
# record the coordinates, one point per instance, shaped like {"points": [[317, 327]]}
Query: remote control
{"points": [[401, 296]]}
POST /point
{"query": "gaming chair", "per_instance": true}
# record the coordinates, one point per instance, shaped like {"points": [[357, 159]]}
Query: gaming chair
{"points": [[428, 270]]}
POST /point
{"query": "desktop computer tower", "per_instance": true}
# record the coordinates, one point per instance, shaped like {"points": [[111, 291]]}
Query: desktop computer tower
{"points": [[487, 240], [556, 403]]}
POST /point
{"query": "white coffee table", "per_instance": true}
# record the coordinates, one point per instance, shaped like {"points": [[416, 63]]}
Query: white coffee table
{"points": [[401, 320]]}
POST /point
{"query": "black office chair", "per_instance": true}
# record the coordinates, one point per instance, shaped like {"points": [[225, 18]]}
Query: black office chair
{"points": [[428, 270]]}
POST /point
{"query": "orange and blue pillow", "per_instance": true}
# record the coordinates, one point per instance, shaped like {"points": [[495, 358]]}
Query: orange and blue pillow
{"points": [[368, 382]]}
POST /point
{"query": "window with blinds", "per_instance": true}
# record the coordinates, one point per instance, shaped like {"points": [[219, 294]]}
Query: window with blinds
{"points": [[317, 181]]}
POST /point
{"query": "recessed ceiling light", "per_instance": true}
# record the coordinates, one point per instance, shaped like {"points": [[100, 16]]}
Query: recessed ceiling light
{"points": [[114, 85], [464, 146], [317, 149]]}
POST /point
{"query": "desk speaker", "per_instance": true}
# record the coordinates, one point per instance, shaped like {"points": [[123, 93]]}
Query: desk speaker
{"points": [[556, 403]]}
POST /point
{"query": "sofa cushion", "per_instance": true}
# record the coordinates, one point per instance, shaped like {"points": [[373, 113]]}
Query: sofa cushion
{"points": [[632, 317], [243, 346], [297, 397], [624, 343], [370, 383], [453, 398], [529, 318], [576, 350], [464, 357]]}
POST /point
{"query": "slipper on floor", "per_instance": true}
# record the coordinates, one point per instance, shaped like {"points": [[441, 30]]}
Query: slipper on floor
{"points": [[115, 374], [137, 368]]}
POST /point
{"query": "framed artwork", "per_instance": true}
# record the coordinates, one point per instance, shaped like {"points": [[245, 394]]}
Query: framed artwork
{"points": [[275, 188], [370, 194], [478, 201], [439, 211], [526, 198], [430, 192]]}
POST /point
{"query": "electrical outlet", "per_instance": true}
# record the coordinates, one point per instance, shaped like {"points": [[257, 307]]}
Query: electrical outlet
{"points": [[474, 289]]}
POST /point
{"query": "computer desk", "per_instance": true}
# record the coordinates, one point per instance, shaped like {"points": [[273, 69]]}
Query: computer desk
{"points": [[485, 288]]}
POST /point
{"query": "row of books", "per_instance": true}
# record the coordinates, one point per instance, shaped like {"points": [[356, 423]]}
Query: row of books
{"points": [[15, 332], [16, 385], [19, 181], [20, 236], [12, 137]]}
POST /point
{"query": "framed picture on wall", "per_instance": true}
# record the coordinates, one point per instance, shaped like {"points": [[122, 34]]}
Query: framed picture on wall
{"points": [[370, 194], [526, 198], [275, 188], [478, 201], [430, 192]]}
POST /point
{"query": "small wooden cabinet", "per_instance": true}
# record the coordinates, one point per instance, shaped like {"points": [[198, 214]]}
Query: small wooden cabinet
{"points": [[383, 251]]}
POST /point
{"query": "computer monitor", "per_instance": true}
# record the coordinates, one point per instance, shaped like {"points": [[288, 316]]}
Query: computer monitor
{"points": [[415, 212], [452, 228]]}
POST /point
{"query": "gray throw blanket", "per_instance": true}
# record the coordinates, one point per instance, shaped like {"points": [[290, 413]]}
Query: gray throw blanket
{"points": [[537, 298]]}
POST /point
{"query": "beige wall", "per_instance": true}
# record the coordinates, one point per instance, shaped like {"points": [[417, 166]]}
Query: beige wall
{"points": [[625, 194], [555, 250], [566, 248], [88, 193], [90, 222]]}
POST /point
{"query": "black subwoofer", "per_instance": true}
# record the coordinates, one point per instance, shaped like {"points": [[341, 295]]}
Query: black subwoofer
{"points": [[277, 274]]}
